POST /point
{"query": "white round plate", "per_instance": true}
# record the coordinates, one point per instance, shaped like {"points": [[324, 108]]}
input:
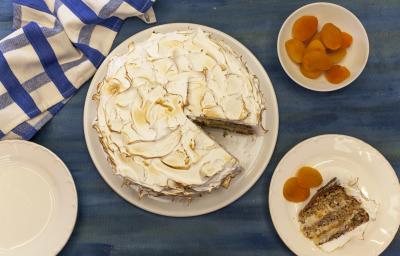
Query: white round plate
{"points": [[253, 152], [343, 157], [38, 200], [357, 53]]}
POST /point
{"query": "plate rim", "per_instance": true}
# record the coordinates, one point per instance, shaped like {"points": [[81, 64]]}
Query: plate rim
{"points": [[244, 189], [334, 88], [299, 144], [74, 194]]}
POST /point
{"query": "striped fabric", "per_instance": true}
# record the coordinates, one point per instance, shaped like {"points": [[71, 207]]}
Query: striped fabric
{"points": [[56, 47]]}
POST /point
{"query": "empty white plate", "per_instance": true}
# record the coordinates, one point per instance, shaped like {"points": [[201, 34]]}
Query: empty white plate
{"points": [[343, 157], [38, 200]]}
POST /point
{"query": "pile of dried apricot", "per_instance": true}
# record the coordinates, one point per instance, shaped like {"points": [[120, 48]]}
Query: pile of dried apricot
{"points": [[297, 189], [319, 52]]}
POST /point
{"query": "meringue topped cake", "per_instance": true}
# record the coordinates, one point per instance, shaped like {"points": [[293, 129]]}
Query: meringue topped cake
{"points": [[333, 216], [151, 102]]}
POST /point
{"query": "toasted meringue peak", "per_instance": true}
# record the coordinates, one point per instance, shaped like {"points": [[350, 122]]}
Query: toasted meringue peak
{"points": [[146, 98], [208, 100], [178, 85], [233, 107], [177, 159], [159, 148]]}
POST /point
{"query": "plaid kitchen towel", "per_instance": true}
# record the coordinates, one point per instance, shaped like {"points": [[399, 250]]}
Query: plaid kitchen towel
{"points": [[56, 47]]}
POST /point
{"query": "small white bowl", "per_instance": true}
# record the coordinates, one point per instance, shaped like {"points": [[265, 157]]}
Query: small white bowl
{"points": [[357, 53]]}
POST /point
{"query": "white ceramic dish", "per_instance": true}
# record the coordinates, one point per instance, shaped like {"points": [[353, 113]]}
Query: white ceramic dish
{"points": [[343, 157], [253, 152], [38, 200], [357, 54]]}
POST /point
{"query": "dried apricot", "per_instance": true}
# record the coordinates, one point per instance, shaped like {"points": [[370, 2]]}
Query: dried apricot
{"points": [[295, 50], [315, 45], [331, 36], [316, 60], [337, 74], [293, 192], [347, 40], [308, 177], [338, 55], [313, 74], [317, 36], [304, 28]]}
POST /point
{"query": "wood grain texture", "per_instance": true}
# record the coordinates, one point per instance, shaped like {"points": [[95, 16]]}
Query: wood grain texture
{"points": [[368, 109]]}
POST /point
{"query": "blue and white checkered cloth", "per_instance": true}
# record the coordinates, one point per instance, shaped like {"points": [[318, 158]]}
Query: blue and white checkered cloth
{"points": [[56, 47]]}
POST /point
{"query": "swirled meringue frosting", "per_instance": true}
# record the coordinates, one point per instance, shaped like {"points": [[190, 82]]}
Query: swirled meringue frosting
{"points": [[151, 95]]}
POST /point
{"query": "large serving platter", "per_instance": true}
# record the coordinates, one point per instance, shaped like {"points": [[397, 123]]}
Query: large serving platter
{"points": [[253, 152]]}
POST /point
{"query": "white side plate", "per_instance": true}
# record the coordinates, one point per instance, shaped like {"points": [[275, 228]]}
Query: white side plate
{"points": [[253, 152], [343, 157], [38, 200]]}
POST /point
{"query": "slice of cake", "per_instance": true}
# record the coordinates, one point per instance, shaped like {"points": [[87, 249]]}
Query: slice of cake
{"points": [[151, 95], [332, 215]]}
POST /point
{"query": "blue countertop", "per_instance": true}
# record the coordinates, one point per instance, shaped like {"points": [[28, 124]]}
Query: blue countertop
{"points": [[367, 109]]}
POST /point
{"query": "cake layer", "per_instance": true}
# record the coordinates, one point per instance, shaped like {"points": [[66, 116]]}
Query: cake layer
{"points": [[229, 126]]}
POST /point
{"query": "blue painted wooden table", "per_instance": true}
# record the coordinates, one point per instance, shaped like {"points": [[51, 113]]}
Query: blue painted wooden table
{"points": [[367, 109]]}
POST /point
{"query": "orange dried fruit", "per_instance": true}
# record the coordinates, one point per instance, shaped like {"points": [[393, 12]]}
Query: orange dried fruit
{"points": [[316, 60], [304, 28], [293, 192], [317, 36], [338, 55], [313, 74], [331, 36], [315, 45], [308, 177], [337, 74], [347, 40], [295, 50]]}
